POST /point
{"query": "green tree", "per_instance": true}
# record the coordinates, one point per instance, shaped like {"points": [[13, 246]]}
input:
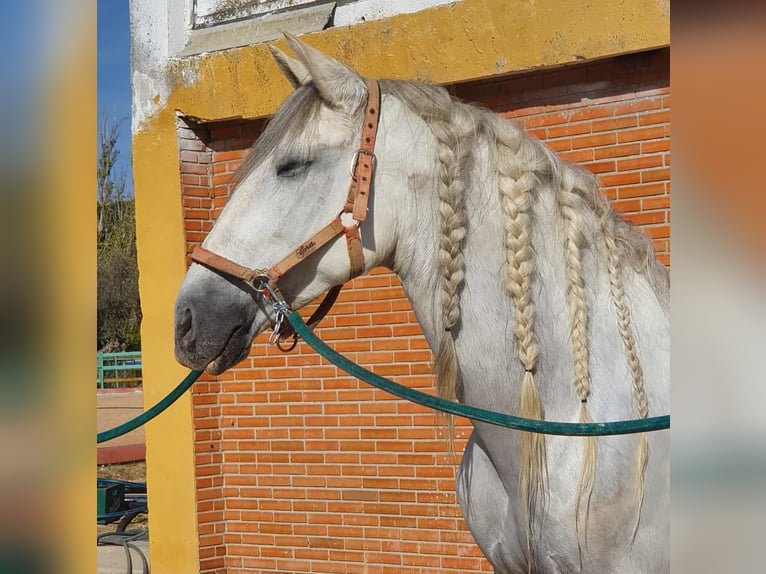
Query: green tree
{"points": [[119, 306]]}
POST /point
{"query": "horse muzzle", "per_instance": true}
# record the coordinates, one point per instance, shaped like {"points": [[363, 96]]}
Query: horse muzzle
{"points": [[215, 322]]}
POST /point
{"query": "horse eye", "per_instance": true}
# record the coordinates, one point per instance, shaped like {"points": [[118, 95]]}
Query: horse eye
{"points": [[292, 168]]}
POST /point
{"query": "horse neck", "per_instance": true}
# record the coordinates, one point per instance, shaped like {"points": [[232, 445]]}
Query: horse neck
{"points": [[416, 259], [484, 334]]}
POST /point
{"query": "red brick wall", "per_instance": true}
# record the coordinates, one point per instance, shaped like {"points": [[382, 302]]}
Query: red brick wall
{"points": [[301, 468]]}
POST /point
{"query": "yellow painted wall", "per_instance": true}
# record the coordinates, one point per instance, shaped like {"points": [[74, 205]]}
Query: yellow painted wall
{"points": [[161, 263], [453, 43]]}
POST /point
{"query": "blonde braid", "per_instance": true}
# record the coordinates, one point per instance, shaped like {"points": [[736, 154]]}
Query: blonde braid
{"points": [[516, 181], [453, 151], [454, 126], [571, 205], [625, 327]]}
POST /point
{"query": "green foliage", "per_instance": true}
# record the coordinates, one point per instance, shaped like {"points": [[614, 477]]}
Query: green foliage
{"points": [[119, 306]]}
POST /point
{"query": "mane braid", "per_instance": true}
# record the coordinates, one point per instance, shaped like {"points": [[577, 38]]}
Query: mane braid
{"points": [[625, 327], [454, 153], [516, 181], [455, 130], [571, 206]]}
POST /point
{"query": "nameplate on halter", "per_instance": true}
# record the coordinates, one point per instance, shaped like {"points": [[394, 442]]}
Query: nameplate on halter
{"points": [[305, 249]]}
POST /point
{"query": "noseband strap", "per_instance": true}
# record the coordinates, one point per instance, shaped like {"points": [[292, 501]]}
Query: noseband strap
{"points": [[354, 212]]}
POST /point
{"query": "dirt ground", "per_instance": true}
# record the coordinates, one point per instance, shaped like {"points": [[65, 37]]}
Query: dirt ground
{"points": [[134, 472]]}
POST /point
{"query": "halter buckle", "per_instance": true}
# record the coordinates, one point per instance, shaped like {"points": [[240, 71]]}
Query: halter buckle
{"points": [[355, 163]]}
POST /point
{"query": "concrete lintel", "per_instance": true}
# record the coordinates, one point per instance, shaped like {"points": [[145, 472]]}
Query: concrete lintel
{"points": [[368, 10], [255, 31]]}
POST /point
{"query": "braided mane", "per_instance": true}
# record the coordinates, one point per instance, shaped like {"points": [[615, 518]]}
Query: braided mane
{"points": [[521, 163]]}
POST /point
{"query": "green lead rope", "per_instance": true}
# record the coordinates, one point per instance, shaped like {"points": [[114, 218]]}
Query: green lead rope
{"points": [[146, 416], [430, 401], [473, 413]]}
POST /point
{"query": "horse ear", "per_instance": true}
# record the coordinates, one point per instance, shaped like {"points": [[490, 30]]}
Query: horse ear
{"points": [[338, 85], [293, 69]]}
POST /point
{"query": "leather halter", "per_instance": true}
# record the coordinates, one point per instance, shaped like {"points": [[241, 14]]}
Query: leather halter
{"points": [[347, 223]]}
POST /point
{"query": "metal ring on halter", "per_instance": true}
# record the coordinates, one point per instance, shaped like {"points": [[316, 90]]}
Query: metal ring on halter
{"points": [[258, 282], [347, 219]]}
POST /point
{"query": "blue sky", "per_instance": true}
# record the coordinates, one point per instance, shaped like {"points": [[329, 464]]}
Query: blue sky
{"points": [[114, 74]]}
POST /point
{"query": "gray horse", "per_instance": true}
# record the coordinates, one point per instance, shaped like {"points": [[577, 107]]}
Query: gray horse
{"points": [[536, 298]]}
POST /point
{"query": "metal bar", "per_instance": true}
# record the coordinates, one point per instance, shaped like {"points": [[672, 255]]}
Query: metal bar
{"points": [[100, 370], [125, 366]]}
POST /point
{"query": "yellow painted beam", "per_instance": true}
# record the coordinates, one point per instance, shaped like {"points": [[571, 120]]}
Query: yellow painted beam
{"points": [[471, 39], [453, 43], [161, 263]]}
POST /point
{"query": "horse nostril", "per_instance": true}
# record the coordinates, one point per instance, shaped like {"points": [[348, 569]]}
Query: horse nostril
{"points": [[183, 324]]}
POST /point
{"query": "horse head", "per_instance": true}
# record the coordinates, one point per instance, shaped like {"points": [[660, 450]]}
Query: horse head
{"points": [[295, 181]]}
